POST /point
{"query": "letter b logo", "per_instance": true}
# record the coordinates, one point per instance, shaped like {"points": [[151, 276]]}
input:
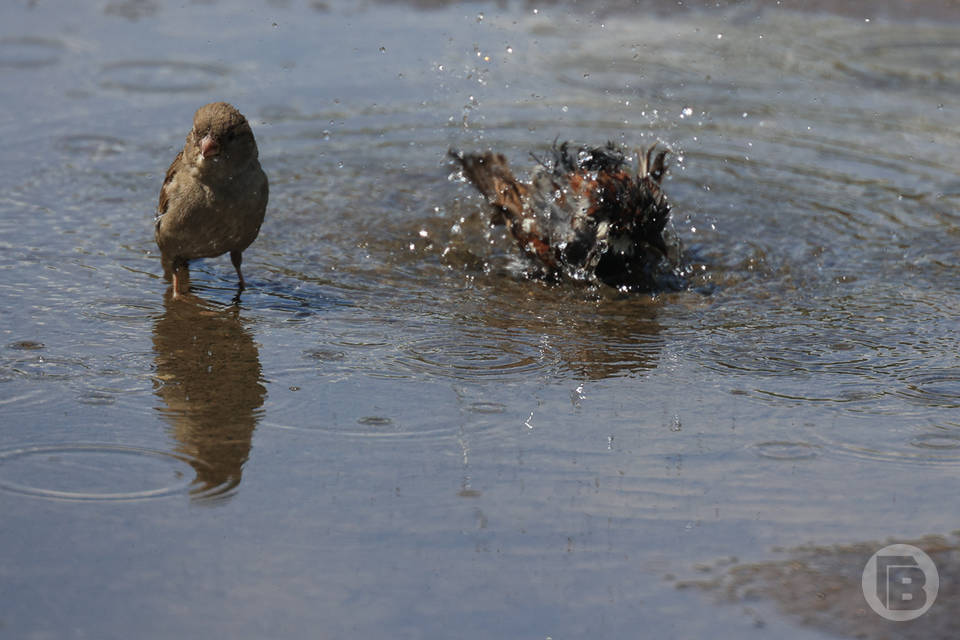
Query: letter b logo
{"points": [[900, 582]]}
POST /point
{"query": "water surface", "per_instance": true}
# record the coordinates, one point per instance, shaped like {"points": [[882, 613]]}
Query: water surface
{"points": [[393, 433]]}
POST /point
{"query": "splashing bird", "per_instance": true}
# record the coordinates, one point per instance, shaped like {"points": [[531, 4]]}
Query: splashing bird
{"points": [[585, 214], [214, 196]]}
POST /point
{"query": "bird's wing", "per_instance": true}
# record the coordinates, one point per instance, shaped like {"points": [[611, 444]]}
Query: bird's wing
{"points": [[164, 198]]}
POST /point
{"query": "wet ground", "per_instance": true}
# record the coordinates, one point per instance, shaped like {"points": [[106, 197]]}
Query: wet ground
{"points": [[394, 434]]}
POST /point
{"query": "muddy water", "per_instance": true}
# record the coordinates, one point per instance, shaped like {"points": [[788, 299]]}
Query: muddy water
{"points": [[393, 433]]}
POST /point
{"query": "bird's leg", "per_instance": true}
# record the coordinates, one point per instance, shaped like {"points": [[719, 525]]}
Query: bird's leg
{"points": [[237, 258], [181, 278]]}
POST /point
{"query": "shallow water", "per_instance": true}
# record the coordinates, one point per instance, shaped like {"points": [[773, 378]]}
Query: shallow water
{"points": [[394, 433]]}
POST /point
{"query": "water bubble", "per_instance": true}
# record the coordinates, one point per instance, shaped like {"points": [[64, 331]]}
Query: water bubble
{"points": [[719, 36], [564, 108], [509, 49], [675, 424], [686, 111]]}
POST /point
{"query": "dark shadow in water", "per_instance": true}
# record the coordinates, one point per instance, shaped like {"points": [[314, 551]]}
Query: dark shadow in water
{"points": [[613, 344], [612, 336], [821, 587], [209, 378]]}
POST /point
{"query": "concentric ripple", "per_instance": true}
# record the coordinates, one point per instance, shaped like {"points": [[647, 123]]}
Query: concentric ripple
{"points": [[29, 52], [149, 76], [898, 446], [90, 145], [783, 450], [937, 441], [94, 472], [931, 64], [472, 358], [48, 367], [936, 388]]}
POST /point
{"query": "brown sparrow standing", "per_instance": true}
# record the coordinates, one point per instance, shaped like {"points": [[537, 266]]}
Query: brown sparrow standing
{"points": [[585, 214], [214, 196]]}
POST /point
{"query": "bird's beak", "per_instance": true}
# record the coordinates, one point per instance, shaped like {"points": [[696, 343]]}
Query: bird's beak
{"points": [[209, 146]]}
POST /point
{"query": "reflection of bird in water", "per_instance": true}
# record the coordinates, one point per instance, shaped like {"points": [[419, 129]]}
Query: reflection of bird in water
{"points": [[585, 214], [209, 378], [610, 336]]}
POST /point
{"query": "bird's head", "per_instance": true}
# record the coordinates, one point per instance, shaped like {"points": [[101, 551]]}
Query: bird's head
{"points": [[221, 138]]}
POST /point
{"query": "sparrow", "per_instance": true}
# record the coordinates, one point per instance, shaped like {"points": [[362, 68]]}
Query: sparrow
{"points": [[585, 213], [214, 195]]}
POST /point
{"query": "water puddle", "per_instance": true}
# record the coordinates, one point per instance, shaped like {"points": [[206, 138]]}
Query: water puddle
{"points": [[396, 397]]}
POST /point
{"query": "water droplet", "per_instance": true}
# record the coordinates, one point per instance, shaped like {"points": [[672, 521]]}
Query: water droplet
{"points": [[509, 49], [564, 108], [479, 17], [686, 111], [383, 49], [675, 423], [719, 36]]}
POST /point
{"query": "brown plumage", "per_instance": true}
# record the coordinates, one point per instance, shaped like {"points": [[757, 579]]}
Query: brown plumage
{"points": [[214, 196], [585, 214]]}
